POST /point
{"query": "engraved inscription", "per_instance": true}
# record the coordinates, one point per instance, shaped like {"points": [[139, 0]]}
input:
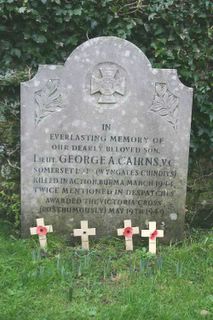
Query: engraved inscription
{"points": [[109, 82], [165, 104], [117, 175], [47, 100]]}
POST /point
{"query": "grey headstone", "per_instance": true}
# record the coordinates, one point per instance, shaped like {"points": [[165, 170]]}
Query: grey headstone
{"points": [[105, 138]]}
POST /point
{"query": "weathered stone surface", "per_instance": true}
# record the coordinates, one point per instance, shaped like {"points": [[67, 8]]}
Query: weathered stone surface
{"points": [[105, 138]]}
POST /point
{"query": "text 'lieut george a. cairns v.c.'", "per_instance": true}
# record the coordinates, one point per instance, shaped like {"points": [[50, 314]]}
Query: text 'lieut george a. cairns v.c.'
{"points": [[105, 138]]}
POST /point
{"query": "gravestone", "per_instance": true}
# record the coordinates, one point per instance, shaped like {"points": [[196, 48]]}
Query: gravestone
{"points": [[105, 138]]}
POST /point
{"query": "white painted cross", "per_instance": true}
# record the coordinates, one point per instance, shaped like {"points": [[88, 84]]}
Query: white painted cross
{"points": [[152, 233], [84, 233], [41, 230], [128, 231]]}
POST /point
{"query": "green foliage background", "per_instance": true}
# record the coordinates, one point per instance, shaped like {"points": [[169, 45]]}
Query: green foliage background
{"points": [[172, 33]]}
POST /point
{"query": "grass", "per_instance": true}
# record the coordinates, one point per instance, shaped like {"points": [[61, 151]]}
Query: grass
{"points": [[105, 283]]}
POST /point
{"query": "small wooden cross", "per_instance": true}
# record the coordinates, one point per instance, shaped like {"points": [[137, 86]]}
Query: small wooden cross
{"points": [[84, 233], [41, 230], [128, 231], [152, 233]]}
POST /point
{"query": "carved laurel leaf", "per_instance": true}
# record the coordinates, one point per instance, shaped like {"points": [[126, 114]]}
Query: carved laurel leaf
{"points": [[48, 100], [165, 104]]}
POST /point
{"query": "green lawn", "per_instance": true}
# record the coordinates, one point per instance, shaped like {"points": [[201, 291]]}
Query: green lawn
{"points": [[105, 283]]}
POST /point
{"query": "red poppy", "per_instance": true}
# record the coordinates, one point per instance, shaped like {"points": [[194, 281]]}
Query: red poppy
{"points": [[128, 232], [41, 230], [154, 235]]}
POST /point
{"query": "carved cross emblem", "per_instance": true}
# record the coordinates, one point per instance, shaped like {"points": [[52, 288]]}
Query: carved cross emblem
{"points": [[107, 84]]}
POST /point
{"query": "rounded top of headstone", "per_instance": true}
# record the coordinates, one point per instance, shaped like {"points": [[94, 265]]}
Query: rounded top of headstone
{"points": [[105, 46]]}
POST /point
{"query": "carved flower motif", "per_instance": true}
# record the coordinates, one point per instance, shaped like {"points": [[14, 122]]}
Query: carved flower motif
{"points": [[153, 235], [41, 231], [48, 100], [165, 104], [128, 232]]}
